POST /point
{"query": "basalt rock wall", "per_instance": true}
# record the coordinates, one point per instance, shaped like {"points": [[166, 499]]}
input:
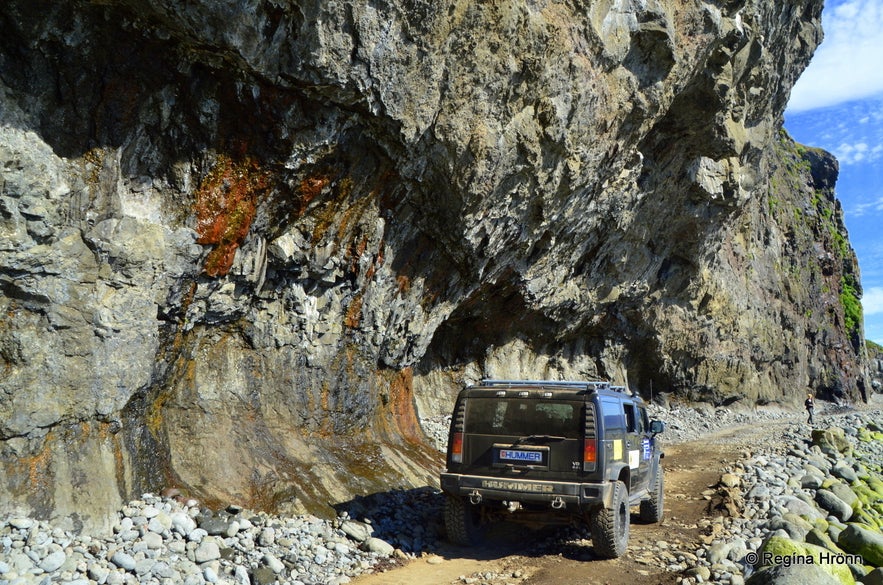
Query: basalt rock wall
{"points": [[244, 242]]}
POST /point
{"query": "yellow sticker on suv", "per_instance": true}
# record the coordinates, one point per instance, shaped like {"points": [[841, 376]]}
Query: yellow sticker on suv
{"points": [[617, 449]]}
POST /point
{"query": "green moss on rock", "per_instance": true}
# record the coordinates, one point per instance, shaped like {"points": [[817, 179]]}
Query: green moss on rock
{"points": [[779, 548], [863, 517], [863, 541], [799, 521], [877, 485], [832, 440], [867, 496], [820, 524], [820, 538]]}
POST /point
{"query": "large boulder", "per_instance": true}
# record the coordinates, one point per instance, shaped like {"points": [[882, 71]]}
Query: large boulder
{"points": [[796, 574], [874, 577], [832, 441], [863, 542], [779, 551], [834, 505]]}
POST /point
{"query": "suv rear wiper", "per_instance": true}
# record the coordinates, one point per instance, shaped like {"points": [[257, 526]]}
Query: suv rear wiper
{"points": [[538, 438]]}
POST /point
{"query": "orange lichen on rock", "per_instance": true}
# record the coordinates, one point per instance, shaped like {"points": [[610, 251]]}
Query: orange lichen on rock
{"points": [[226, 202]]}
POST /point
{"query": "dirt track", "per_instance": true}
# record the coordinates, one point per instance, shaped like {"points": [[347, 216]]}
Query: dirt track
{"points": [[690, 469]]}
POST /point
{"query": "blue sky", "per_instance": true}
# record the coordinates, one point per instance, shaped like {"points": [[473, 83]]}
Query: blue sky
{"points": [[837, 105]]}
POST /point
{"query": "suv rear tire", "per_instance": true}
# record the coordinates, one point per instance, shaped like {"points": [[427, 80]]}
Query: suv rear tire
{"points": [[651, 510], [462, 521], [610, 526]]}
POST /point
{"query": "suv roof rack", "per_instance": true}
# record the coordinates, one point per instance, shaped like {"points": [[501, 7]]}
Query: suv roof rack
{"points": [[594, 384]]}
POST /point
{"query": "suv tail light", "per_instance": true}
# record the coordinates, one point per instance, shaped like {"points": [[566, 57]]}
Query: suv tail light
{"points": [[590, 440], [457, 448], [456, 440], [590, 451]]}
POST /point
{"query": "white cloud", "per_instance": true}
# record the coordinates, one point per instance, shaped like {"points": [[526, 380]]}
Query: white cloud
{"points": [[872, 300], [846, 66], [853, 132], [860, 209], [870, 258], [860, 152]]}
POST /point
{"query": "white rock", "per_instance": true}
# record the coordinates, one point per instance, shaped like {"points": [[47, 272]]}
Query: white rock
{"points": [[53, 561], [182, 523], [123, 560], [125, 525], [341, 548], [160, 523], [207, 551], [98, 573], [153, 540], [273, 563], [232, 528], [379, 546], [144, 566], [240, 576], [21, 523], [267, 537], [358, 531]]}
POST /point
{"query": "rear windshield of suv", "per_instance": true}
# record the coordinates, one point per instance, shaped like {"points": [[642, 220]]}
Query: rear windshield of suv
{"points": [[520, 417]]}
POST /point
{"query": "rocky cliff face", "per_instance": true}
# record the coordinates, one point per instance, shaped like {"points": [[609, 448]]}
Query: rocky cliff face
{"points": [[244, 241], [875, 366]]}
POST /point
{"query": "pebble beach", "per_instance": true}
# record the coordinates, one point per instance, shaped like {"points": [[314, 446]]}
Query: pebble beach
{"points": [[802, 492]]}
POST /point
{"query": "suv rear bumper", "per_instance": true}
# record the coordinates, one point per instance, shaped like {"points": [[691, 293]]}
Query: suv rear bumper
{"points": [[584, 495]]}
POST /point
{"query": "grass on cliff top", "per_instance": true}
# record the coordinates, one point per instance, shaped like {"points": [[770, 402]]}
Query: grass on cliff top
{"points": [[874, 348]]}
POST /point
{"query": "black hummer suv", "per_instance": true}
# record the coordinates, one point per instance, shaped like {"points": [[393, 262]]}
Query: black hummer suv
{"points": [[546, 452]]}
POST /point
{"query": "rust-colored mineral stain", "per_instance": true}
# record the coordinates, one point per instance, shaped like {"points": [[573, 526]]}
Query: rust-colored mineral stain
{"points": [[310, 188], [226, 203], [401, 406], [37, 467], [354, 313]]}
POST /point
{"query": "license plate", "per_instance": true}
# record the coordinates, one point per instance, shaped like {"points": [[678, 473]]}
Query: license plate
{"points": [[521, 456]]}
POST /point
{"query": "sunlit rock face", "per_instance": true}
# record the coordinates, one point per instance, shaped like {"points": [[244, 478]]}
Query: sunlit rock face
{"points": [[245, 242]]}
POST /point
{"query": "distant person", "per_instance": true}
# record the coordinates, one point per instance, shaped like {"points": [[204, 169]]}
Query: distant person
{"points": [[809, 405]]}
